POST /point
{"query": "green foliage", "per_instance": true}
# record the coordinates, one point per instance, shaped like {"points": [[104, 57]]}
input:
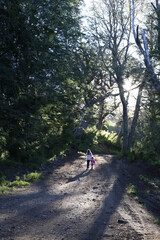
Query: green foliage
{"points": [[99, 141], [157, 220], [3, 180], [18, 182], [131, 155], [152, 182], [152, 157], [131, 189], [139, 155], [147, 144], [143, 205], [4, 190], [32, 177], [49, 77], [136, 198], [145, 179], [3, 186], [39, 92]]}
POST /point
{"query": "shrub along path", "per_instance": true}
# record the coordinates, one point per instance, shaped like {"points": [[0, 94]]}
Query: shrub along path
{"points": [[117, 200]]}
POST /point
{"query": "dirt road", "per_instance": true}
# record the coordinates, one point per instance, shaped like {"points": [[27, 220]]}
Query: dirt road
{"points": [[73, 203]]}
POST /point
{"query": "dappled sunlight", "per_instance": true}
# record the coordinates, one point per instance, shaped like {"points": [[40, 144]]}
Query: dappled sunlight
{"points": [[78, 75], [127, 85], [109, 205], [131, 93], [75, 203], [60, 202]]}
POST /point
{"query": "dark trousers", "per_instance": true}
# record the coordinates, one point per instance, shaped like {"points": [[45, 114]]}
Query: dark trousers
{"points": [[88, 161]]}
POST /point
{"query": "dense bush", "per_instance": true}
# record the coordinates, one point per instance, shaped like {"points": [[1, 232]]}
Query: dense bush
{"points": [[99, 141]]}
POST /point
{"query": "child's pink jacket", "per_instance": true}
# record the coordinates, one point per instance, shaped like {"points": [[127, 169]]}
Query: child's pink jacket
{"points": [[92, 161]]}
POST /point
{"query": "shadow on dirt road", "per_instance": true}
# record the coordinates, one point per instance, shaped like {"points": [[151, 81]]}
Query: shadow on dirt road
{"points": [[76, 204]]}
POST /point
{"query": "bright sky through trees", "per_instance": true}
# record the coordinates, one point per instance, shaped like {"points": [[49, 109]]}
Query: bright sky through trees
{"points": [[133, 91]]}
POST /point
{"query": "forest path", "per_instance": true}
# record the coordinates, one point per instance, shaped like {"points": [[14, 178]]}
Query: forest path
{"points": [[73, 203]]}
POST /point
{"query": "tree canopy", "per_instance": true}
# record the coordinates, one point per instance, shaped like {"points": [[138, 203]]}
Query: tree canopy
{"points": [[61, 83]]}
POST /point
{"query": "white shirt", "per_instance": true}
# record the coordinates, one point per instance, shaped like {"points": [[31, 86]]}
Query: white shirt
{"points": [[88, 156]]}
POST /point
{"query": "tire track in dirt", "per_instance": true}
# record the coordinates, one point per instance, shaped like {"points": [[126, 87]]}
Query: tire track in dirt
{"points": [[132, 217]]}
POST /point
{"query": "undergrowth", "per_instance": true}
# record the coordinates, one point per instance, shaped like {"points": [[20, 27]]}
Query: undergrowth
{"points": [[131, 189], [99, 141], [6, 186]]}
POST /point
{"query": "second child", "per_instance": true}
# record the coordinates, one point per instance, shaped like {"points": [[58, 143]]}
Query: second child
{"points": [[92, 162]]}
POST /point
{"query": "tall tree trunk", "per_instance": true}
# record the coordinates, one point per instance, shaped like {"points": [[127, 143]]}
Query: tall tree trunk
{"points": [[100, 118], [135, 118], [125, 127], [120, 134], [125, 116], [100, 123]]}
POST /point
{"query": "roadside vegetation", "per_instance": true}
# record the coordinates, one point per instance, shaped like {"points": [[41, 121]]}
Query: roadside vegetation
{"points": [[69, 87], [6, 186]]}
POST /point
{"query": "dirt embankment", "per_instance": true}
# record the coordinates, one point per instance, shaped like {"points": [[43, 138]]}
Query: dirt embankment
{"points": [[73, 203]]}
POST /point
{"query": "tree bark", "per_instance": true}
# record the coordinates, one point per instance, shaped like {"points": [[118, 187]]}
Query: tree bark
{"points": [[135, 118], [100, 118], [144, 51], [120, 134], [125, 115]]}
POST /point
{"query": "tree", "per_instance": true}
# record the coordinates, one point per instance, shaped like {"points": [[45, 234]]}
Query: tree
{"points": [[148, 42], [111, 26], [39, 91], [144, 48]]}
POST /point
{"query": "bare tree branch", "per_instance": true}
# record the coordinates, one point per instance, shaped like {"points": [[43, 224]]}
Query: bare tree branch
{"points": [[144, 51]]}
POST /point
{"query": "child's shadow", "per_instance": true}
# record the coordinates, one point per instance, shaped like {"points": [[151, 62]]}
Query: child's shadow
{"points": [[77, 177]]}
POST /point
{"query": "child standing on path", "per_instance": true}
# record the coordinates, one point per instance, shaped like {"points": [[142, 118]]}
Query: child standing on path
{"points": [[88, 157], [92, 162]]}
